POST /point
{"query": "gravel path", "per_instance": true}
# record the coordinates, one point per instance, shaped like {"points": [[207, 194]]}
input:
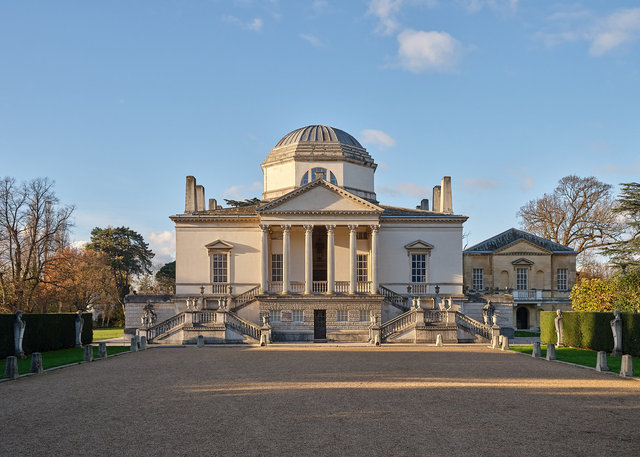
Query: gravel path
{"points": [[320, 401]]}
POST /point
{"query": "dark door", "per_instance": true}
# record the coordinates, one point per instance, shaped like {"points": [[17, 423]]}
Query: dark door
{"points": [[522, 317], [319, 324]]}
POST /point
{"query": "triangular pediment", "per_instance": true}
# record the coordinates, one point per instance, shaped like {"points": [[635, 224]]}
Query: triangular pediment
{"points": [[512, 236], [522, 246], [319, 196], [522, 262], [219, 244], [418, 245]]}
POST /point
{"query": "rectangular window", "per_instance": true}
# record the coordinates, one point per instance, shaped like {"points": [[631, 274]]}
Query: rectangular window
{"points": [[362, 235], [275, 316], [522, 278], [276, 267], [297, 315], [342, 315], [364, 315], [478, 278], [220, 268], [419, 268], [363, 269], [563, 279]]}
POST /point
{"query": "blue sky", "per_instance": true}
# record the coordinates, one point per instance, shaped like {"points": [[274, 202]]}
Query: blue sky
{"points": [[118, 101]]}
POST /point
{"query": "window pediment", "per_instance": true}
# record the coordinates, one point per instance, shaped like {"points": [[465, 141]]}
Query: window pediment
{"points": [[522, 263], [219, 245], [418, 246]]}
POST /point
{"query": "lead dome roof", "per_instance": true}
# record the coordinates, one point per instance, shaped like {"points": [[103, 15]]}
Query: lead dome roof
{"points": [[319, 142]]}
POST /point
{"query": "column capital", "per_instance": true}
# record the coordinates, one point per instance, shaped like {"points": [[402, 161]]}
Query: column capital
{"points": [[352, 227], [374, 228], [264, 227], [330, 228], [285, 228], [308, 227]]}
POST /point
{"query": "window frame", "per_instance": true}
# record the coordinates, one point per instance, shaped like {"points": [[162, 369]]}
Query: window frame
{"points": [[342, 313], [277, 267], [562, 276], [522, 278], [362, 267], [419, 267], [477, 279]]}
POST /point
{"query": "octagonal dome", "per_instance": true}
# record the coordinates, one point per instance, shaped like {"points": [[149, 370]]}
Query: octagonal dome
{"points": [[318, 143]]}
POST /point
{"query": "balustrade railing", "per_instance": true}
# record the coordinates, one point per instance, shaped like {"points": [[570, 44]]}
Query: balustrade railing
{"points": [[204, 317], [397, 324], [245, 298], [319, 286], [363, 287], [274, 287], [434, 315], [296, 287], [394, 298], [419, 289], [165, 326], [221, 289], [473, 326], [243, 326], [342, 287]]}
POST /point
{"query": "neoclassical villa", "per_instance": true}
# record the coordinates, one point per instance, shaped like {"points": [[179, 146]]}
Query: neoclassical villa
{"points": [[319, 259]]}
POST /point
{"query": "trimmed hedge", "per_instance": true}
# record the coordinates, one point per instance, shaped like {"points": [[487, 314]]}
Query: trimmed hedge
{"points": [[44, 332], [591, 330]]}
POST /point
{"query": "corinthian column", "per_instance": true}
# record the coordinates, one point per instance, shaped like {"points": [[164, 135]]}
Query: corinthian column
{"points": [[264, 271], [308, 259], [374, 259], [352, 258], [331, 276], [285, 258]]}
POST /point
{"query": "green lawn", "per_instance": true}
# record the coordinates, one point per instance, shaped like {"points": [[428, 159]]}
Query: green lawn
{"points": [[583, 357], [106, 333], [519, 333], [60, 357]]}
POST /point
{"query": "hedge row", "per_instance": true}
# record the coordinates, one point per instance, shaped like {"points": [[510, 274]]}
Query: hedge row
{"points": [[591, 330], [44, 332]]}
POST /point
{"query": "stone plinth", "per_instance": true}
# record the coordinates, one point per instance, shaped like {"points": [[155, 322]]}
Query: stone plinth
{"points": [[102, 350], [88, 353], [439, 340], [134, 343], [626, 367], [143, 343], [36, 363], [11, 368], [601, 363], [551, 351], [536, 352], [505, 343]]}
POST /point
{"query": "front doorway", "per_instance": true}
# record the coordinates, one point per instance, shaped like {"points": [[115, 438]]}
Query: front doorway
{"points": [[319, 242], [522, 317], [319, 324]]}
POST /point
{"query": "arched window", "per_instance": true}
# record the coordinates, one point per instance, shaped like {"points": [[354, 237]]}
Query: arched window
{"points": [[318, 173]]}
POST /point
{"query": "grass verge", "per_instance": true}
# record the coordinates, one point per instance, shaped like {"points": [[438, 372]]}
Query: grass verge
{"points": [[60, 357], [584, 357], [516, 333], [106, 333]]}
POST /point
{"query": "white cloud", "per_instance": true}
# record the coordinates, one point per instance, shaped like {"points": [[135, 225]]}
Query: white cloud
{"points": [[255, 24], [527, 183], [385, 11], [480, 183], [315, 41], [420, 51], [241, 192], [163, 244], [476, 5], [603, 34], [622, 26], [79, 244], [405, 188], [377, 137]]}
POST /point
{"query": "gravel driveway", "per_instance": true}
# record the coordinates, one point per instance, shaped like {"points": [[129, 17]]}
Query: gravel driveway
{"points": [[320, 401]]}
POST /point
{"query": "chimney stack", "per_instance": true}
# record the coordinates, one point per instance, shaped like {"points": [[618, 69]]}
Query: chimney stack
{"points": [[437, 203], [447, 203], [199, 198], [213, 204], [190, 198], [424, 204]]}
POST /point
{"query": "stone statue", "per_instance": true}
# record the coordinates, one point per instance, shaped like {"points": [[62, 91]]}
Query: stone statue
{"points": [[559, 329], [616, 328], [79, 325], [200, 304], [149, 317], [18, 334], [488, 312], [265, 320]]}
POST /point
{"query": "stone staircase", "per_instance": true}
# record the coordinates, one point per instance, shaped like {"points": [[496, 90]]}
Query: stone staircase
{"points": [[395, 299], [214, 326], [419, 325]]}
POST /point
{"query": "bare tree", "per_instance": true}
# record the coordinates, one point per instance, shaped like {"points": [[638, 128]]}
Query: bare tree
{"points": [[33, 227], [579, 213]]}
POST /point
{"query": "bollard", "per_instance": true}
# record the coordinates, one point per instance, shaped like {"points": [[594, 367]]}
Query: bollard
{"points": [[626, 367], [143, 343], [376, 339], [200, 341], [134, 344], [11, 369], [263, 339], [536, 350], [439, 340], [36, 363], [88, 353], [102, 350], [494, 342], [551, 351], [601, 363], [505, 343]]}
